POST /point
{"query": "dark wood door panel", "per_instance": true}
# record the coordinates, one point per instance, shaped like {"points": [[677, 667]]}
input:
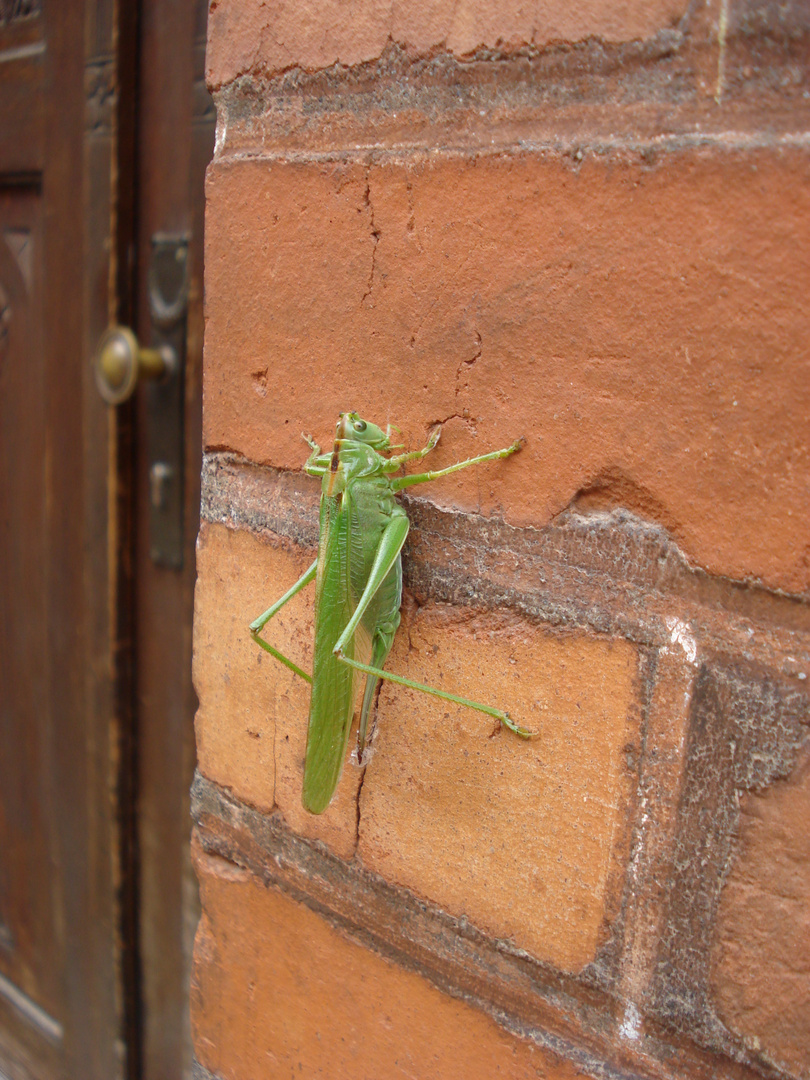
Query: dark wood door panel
{"points": [[27, 938], [30, 948], [61, 1006], [22, 91], [97, 899]]}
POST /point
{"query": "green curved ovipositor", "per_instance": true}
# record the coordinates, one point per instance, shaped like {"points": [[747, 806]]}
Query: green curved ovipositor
{"points": [[358, 591]]}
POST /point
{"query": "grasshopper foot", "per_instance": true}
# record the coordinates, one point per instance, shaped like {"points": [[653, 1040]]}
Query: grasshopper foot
{"points": [[523, 732], [434, 436]]}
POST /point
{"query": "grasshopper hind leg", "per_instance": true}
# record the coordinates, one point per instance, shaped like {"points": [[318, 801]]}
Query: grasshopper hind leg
{"points": [[259, 624], [400, 680], [381, 647]]}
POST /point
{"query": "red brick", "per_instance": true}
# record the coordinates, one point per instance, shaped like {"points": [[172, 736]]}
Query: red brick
{"points": [[644, 326], [252, 720], [253, 36], [277, 990], [761, 961], [528, 839]]}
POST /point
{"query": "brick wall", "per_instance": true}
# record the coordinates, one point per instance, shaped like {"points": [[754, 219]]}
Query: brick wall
{"points": [[588, 224]]}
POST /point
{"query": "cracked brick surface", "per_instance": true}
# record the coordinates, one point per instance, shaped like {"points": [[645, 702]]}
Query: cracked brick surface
{"points": [[253, 36], [596, 301]]}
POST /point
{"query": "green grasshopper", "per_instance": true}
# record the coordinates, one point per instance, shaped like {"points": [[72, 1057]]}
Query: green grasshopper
{"points": [[358, 591]]}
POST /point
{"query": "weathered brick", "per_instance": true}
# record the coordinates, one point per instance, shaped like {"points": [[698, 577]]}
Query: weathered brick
{"points": [[235, 724], [252, 720], [252, 36], [528, 839], [747, 727], [761, 955], [642, 323], [438, 771], [277, 990]]}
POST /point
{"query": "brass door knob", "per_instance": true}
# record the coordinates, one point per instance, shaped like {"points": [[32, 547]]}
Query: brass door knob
{"points": [[120, 363]]}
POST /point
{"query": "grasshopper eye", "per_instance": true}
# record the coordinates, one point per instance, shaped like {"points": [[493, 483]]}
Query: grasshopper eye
{"points": [[360, 425]]}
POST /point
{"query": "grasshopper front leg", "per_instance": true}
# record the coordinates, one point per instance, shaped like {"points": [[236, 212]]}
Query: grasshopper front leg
{"points": [[317, 463], [422, 478], [399, 460]]}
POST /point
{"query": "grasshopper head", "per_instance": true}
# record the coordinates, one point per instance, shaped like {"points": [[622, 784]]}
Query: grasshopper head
{"points": [[351, 426]]}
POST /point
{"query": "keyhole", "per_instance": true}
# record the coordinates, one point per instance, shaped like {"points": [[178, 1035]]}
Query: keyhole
{"points": [[160, 475]]}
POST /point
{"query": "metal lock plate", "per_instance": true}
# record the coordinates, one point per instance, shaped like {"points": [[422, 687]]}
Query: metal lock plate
{"points": [[168, 306]]}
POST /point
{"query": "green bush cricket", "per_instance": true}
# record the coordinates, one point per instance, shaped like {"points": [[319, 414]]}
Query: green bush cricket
{"points": [[358, 591]]}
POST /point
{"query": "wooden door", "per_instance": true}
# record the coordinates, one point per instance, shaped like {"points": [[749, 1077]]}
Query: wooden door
{"points": [[95, 722], [175, 144]]}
